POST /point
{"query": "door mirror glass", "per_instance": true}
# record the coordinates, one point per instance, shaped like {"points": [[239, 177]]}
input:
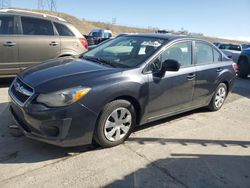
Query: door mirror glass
{"points": [[170, 65]]}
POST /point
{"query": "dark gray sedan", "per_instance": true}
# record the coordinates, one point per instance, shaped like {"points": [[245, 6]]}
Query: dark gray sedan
{"points": [[128, 81]]}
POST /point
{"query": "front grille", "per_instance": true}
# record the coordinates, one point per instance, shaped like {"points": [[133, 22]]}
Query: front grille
{"points": [[21, 91]]}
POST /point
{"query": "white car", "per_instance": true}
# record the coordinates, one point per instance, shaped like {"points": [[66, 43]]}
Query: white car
{"points": [[232, 51]]}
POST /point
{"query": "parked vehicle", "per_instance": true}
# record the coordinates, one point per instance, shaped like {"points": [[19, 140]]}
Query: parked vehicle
{"points": [[232, 51], [162, 31], [130, 80], [245, 46], [27, 38], [97, 36], [244, 63], [95, 45], [217, 43]]}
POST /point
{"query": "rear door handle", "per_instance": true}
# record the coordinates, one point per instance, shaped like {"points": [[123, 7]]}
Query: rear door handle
{"points": [[191, 76], [9, 44], [53, 43], [219, 69]]}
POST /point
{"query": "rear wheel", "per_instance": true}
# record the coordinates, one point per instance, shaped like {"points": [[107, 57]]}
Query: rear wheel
{"points": [[218, 98], [243, 68], [115, 124]]}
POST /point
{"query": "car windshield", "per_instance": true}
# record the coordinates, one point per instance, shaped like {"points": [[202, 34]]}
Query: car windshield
{"points": [[234, 47], [126, 51]]}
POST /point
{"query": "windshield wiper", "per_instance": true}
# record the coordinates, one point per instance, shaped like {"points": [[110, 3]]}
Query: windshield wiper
{"points": [[98, 60]]}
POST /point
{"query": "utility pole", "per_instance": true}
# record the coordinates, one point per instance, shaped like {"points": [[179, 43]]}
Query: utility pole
{"points": [[46, 4], [52, 5], [113, 21], [5, 3], [40, 4]]}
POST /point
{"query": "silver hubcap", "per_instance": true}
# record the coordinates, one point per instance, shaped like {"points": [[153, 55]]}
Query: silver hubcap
{"points": [[117, 124], [220, 97]]}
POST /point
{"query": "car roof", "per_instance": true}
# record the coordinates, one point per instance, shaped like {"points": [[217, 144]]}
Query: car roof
{"points": [[31, 13], [168, 37], [158, 35]]}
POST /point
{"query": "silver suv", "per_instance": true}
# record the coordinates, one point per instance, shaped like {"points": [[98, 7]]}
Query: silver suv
{"points": [[27, 38]]}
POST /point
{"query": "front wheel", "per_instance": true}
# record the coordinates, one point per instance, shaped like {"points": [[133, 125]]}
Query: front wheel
{"points": [[218, 98], [115, 123]]}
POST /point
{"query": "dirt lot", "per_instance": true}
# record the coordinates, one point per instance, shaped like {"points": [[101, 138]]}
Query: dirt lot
{"points": [[196, 149]]}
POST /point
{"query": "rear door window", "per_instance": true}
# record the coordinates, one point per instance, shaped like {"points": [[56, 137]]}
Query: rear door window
{"points": [[6, 25], [204, 53], [63, 30], [34, 26]]}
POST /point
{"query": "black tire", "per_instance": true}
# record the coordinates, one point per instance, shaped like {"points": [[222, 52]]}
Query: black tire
{"points": [[243, 68], [99, 135], [212, 105]]}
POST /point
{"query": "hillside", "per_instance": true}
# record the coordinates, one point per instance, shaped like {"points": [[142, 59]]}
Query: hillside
{"points": [[85, 27]]}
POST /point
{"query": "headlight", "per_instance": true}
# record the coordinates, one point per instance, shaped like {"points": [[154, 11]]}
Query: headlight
{"points": [[63, 97]]}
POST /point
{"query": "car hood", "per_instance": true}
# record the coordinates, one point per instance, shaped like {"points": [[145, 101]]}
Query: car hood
{"points": [[63, 73]]}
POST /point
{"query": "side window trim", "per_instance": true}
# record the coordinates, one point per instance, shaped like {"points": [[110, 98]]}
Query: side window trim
{"points": [[55, 30], [19, 25], [215, 50]]}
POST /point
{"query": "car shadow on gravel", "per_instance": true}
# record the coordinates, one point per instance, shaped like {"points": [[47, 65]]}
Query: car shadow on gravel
{"points": [[242, 87], [191, 170], [172, 118]]}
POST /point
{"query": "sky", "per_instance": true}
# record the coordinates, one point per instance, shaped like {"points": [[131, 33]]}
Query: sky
{"points": [[216, 18]]}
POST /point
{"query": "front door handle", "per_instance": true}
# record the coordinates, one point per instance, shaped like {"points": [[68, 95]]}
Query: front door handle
{"points": [[191, 76], [9, 44], [53, 43]]}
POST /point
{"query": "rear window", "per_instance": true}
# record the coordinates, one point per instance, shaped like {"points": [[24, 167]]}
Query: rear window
{"points": [[234, 47], [34, 26], [6, 25], [63, 30]]}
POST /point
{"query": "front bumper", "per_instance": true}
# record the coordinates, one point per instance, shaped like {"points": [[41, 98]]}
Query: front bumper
{"points": [[66, 126]]}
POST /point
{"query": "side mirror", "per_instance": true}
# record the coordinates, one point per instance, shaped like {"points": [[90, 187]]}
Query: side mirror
{"points": [[170, 65]]}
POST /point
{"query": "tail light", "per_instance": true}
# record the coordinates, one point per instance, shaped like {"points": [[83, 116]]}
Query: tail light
{"points": [[235, 67], [84, 42]]}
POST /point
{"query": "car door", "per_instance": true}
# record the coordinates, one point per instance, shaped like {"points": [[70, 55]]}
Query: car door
{"points": [[172, 92], [38, 42], [207, 61], [8, 46]]}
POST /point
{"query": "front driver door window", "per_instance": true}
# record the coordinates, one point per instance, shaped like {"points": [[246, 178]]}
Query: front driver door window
{"points": [[173, 91]]}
